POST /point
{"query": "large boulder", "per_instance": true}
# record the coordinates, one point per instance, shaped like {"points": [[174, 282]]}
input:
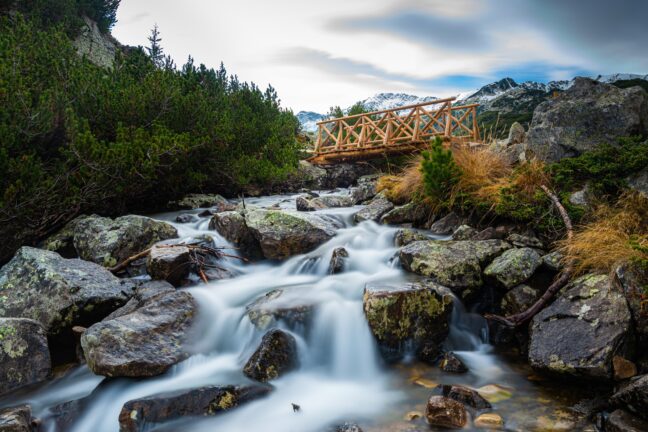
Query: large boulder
{"points": [[633, 280], [308, 203], [276, 306], [514, 267], [232, 226], [57, 292], [586, 115], [143, 343], [275, 356], [374, 210], [455, 264], [197, 402], [633, 396], [16, 419], [408, 316], [581, 332], [24, 355], [283, 234], [108, 241], [169, 263]]}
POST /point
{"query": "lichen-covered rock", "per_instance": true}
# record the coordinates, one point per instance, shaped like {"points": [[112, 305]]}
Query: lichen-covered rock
{"points": [[57, 292], [98, 47], [143, 292], [464, 395], [465, 232], [194, 201], [414, 315], [633, 396], [338, 258], [169, 263], [24, 355], [283, 234], [518, 299], [585, 116], [445, 413], [633, 280], [553, 261], [143, 343], [514, 267], [446, 225], [455, 264], [16, 419], [365, 190], [197, 402], [521, 241], [405, 236], [622, 421], [374, 210], [108, 241], [581, 332], [275, 356], [410, 213], [306, 203], [232, 226], [275, 306]]}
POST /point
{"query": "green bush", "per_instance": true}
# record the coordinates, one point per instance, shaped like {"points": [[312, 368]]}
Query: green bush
{"points": [[440, 172]]}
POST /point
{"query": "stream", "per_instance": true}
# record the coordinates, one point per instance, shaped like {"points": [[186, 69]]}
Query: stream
{"points": [[341, 377]]}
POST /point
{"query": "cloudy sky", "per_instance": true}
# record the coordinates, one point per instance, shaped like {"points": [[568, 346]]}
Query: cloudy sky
{"points": [[335, 52]]}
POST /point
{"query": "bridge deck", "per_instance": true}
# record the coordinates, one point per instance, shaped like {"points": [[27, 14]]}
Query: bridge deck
{"points": [[400, 130]]}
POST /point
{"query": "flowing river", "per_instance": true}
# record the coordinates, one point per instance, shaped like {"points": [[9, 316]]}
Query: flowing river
{"points": [[341, 375]]}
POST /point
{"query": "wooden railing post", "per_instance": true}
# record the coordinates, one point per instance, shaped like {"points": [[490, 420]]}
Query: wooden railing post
{"points": [[338, 141], [417, 124], [318, 143], [448, 125]]}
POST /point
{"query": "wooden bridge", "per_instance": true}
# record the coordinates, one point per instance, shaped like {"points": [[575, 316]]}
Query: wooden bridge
{"points": [[400, 130]]}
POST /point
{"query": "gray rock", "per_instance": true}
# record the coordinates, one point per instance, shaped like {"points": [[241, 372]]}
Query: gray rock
{"points": [[186, 218], [282, 234], [346, 427], [517, 134], [639, 182], [169, 263], [622, 421], [194, 201], [580, 332], [143, 292], [553, 261], [146, 342], [455, 264], [586, 115], [410, 315], [581, 197], [410, 213], [633, 280], [197, 402], [519, 299], [337, 260], [24, 354], [57, 292], [306, 203], [365, 190], [274, 307], [374, 210], [232, 226], [633, 396], [514, 267], [108, 241], [465, 232], [519, 240], [16, 419], [405, 236], [275, 356], [97, 47], [446, 225]]}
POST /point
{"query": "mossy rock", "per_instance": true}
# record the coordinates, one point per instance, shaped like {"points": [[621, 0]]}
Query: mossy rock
{"points": [[514, 267], [275, 356]]}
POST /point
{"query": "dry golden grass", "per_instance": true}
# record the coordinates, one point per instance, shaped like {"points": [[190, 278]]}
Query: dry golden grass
{"points": [[405, 187], [606, 241]]}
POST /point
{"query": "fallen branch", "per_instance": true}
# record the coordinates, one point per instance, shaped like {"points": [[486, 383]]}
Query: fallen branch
{"points": [[522, 317]]}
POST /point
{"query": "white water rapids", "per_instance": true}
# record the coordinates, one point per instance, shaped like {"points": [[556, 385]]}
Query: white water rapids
{"points": [[341, 376]]}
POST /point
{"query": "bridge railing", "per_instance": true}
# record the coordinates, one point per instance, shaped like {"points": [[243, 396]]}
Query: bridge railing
{"points": [[407, 125]]}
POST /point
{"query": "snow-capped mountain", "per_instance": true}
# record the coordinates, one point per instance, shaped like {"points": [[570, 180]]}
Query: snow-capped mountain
{"points": [[502, 96]]}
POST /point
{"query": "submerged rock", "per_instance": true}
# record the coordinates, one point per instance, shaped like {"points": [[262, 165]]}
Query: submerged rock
{"points": [[197, 402], [143, 343], [633, 396], [108, 241], [455, 264], [408, 316], [446, 413], [16, 419], [232, 226], [337, 260], [306, 203], [24, 354], [57, 292], [282, 234], [169, 263], [514, 267], [374, 210], [346, 427], [406, 236], [274, 307], [581, 332], [490, 421], [464, 395], [275, 356]]}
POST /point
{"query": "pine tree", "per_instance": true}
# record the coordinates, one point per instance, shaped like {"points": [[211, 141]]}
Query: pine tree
{"points": [[155, 51], [440, 172]]}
